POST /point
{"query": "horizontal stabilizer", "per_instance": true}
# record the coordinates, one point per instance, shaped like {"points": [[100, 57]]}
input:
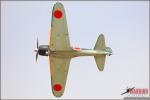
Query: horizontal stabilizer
{"points": [[100, 44], [100, 61]]}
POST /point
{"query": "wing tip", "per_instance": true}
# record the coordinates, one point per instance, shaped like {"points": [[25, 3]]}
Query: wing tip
{"points": [[58, 4], [57, 93]]}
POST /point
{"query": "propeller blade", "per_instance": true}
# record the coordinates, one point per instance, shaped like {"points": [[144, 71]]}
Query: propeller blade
{"points": [[37, 55], [37, 45], [37, 49]]}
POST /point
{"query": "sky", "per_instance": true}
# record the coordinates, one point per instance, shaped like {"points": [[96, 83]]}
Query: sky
{"points": [[125, 25]]}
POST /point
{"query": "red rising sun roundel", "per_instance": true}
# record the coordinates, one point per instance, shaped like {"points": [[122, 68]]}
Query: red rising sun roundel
{"points": [[58, 14], [57, 87]]}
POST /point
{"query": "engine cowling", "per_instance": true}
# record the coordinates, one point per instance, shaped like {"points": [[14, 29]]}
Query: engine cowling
{"points": [[44, 50]]}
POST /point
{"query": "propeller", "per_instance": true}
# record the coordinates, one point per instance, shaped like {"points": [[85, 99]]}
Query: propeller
{"points": [[37, 49]]}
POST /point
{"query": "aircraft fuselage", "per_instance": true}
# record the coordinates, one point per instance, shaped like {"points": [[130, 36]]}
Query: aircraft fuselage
{"points": [[76, 53], [44, 50]]}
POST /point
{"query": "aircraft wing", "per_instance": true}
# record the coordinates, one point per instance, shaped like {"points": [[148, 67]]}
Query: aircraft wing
{"points": [[59, 38], [59, 69]]}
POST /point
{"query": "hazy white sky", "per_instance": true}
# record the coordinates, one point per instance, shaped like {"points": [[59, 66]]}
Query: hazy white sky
{"points": [[126, 29]]}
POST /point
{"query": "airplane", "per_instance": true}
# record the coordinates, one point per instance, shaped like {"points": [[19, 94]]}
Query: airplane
{"points": [[60, 52]]}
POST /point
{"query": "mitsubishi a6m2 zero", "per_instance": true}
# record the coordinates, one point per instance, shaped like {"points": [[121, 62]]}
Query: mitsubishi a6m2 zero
{"points": [[60, 52]]}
